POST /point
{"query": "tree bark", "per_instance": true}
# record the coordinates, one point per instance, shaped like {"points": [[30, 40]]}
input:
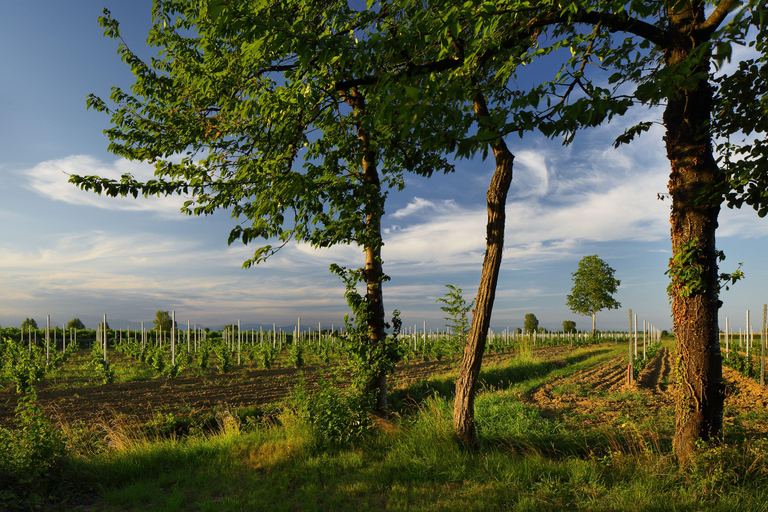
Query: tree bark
{"points": [[699, 402], [373, 209], [466, 383]]}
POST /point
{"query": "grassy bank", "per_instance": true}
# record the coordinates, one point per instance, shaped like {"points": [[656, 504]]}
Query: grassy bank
{"points": [[529, 458]]}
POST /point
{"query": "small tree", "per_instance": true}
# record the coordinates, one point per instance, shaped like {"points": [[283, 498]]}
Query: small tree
{"points": [[457, 308], [75, 323], [569, 326], [162, 321], [593, 287], [27, 323], [531, 323]]}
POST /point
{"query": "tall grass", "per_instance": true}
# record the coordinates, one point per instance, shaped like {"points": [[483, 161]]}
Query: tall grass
{"points": [[528, 460]]}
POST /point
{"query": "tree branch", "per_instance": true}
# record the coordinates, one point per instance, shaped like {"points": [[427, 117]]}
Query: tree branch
{"points": [[718, 15]]}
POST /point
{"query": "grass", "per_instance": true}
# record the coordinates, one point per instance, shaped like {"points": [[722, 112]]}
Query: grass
{"points": [[528, 459]]}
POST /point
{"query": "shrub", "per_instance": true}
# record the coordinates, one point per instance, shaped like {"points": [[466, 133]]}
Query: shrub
{"points": [[30, 455], [338, 414], [296, 354]]}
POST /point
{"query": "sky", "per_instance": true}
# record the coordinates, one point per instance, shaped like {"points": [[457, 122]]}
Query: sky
{"points": [[69, 253]]}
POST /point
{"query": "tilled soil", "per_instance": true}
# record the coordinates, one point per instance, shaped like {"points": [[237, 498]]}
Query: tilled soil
{"points": [[140, 401], [592, 396]]}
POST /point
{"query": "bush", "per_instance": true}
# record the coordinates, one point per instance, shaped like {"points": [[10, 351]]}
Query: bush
{"points": [[338, 414], [21, 366], [30, 455], [296, 354]]}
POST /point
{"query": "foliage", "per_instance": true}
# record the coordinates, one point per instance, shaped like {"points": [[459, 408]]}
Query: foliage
{"points": [[163, 321], [75, 323], [593, 287], [30, 455], [296, 354], [29, 323], [741, 113], [21, 365], [743, 364], [267, 355], [569, 326], [104, 370], [457, 309], [531, 323], [226, 364], [365, 358], [338, 413]]}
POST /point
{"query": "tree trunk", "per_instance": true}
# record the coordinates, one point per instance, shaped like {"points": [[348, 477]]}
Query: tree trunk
{"points": [[374, 209], [466, 383], [694, 290]]}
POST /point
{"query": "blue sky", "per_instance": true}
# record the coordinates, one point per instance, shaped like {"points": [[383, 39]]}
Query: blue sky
{"points": [[68, 253]]}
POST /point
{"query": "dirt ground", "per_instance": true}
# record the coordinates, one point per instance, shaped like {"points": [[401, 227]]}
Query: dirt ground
{"points": [[595, 394], [141, 401]]}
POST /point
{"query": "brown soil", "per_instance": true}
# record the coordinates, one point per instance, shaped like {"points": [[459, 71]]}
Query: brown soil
{"points": [[74, 399], [592, 397]]}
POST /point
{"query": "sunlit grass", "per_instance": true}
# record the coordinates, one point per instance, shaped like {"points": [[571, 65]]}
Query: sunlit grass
{"points": [[528, 459]]}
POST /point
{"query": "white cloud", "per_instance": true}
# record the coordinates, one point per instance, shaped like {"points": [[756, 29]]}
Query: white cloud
{"points": [[50, 179], [531, 174]]}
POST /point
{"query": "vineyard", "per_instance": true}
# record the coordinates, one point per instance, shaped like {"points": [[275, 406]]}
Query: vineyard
{"points": [[147, 374], [561, 426]]}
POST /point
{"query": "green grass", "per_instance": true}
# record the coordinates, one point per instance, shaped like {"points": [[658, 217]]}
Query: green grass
{"points": [[528, 460]]}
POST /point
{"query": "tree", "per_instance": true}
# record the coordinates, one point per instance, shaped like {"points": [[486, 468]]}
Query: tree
{"points": [[664, 59], [457, 309], [593, 288], [75, 323], [531, 323], [569, 326], [163, 321], [28, 323], [260, 103]]}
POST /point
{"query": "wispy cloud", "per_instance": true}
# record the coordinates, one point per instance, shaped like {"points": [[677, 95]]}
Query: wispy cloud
{"points": [[50, 180]]}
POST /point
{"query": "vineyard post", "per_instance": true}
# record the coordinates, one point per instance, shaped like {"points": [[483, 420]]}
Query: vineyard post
{"points": [[746, 335], [644, 327], [239, 341], [104, 338], [63, 338], [298, 330], [727, 346], [630, 365], [48, 340], [762, 345], [635, 335], [173, 337], [424, 348], [189, 338], [273, 336]]}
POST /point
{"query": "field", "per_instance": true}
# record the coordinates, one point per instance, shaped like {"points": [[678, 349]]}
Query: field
{"points": [[560, 429]]}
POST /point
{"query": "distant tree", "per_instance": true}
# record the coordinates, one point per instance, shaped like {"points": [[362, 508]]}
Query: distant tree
{"points": [[518, 331], [29, 322], [531, 323], [593, 287], [543, 330], [569, 326], [75, 323], [163, 321], [457, 309]]}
